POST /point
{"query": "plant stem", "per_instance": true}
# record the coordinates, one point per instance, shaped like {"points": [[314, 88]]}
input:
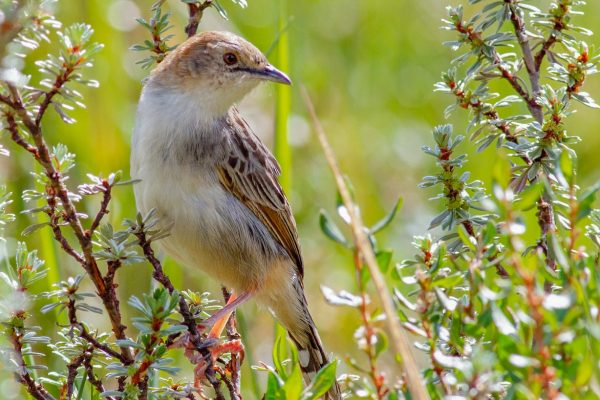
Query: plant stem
{"points": [[400, 340], [283, 104]]}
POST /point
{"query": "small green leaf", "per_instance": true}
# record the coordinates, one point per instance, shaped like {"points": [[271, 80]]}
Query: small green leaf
{"points": [[32, 228], [280, 351], [323, 381], [384, 257], [567, 166], [385, 221], [331, 230], [381, 344]]}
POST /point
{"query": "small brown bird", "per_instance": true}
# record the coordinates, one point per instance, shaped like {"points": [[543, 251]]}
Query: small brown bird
{"points": [[211, 178]]}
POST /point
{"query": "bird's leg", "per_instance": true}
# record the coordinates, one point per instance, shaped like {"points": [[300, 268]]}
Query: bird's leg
{"points": [[219, 319]]}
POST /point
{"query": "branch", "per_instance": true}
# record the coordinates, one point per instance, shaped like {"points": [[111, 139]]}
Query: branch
{"points": [[16, 136], [399, 338], [89, 368], [195, 12], [546, 46], [36, 390], [234, 365], [59, 190], [75, 323], [559, 26], [184, 310], [523, 39], [106, 197], [72, 374], [376, 377]]}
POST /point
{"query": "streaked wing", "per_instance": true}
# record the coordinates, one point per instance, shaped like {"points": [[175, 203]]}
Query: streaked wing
{"points": [[250, 173]]}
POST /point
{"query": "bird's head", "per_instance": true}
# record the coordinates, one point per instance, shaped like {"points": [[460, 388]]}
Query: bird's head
{"points": [[220, 67]]}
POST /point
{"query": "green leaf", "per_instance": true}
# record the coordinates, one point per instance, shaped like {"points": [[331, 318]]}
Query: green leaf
{"points": [[322, 382], [449, 281], [385, 221], [280, 351], [381, 344], [32, 228], [586, 201], [274, 388], [528, 198], [567, 166], [465, 238], [331, 230], [384, 257], [293, 384]]}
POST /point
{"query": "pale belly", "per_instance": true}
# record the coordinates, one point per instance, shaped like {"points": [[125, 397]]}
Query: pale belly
{"points": [[210, 229]]}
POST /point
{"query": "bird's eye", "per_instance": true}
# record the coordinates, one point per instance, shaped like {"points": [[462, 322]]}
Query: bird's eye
{"points": [[230, 58]]}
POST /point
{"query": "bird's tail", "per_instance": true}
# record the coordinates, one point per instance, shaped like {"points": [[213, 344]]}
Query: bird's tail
{"points": [[311, 355]]}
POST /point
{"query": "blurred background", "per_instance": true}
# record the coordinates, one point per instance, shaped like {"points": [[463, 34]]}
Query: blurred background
{"points": [[370, 67]]}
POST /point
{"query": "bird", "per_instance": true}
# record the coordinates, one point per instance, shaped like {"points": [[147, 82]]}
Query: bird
{"points": [[209, 177]]}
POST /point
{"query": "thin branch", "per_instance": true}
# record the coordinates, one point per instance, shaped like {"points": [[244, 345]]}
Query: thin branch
{"points": [[89, 368], [399, 339], [72, 374], [76, 324], [106, 197], [474, 39], [234, 365], [376, 378], [16, 136], [35, 389], [184, 310], [552, 39], [195, 12], [523, 39], [59, 190], [546, 46]]}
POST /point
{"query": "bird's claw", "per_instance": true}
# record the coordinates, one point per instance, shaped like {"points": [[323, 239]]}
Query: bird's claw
{"points": [[216, 348]]}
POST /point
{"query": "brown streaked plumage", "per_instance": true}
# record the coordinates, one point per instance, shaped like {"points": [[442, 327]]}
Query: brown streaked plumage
{"points": [[211, 178]]}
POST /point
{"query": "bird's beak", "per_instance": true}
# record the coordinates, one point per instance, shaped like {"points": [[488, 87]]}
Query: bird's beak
{"points": [[271, 73]]}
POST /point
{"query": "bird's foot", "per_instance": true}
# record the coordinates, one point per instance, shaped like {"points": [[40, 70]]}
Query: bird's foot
{"points": [[233, 347]]}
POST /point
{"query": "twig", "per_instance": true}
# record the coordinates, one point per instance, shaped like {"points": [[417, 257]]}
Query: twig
{"points": [[89, 368], [474, 39], [376, 378], [35, 389], [72, 374], [530, 63], [195, 12], [60, 191], [76, 324], [236, 360], [552, 38], [184, 310], [106, 197], [399, 339]]}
